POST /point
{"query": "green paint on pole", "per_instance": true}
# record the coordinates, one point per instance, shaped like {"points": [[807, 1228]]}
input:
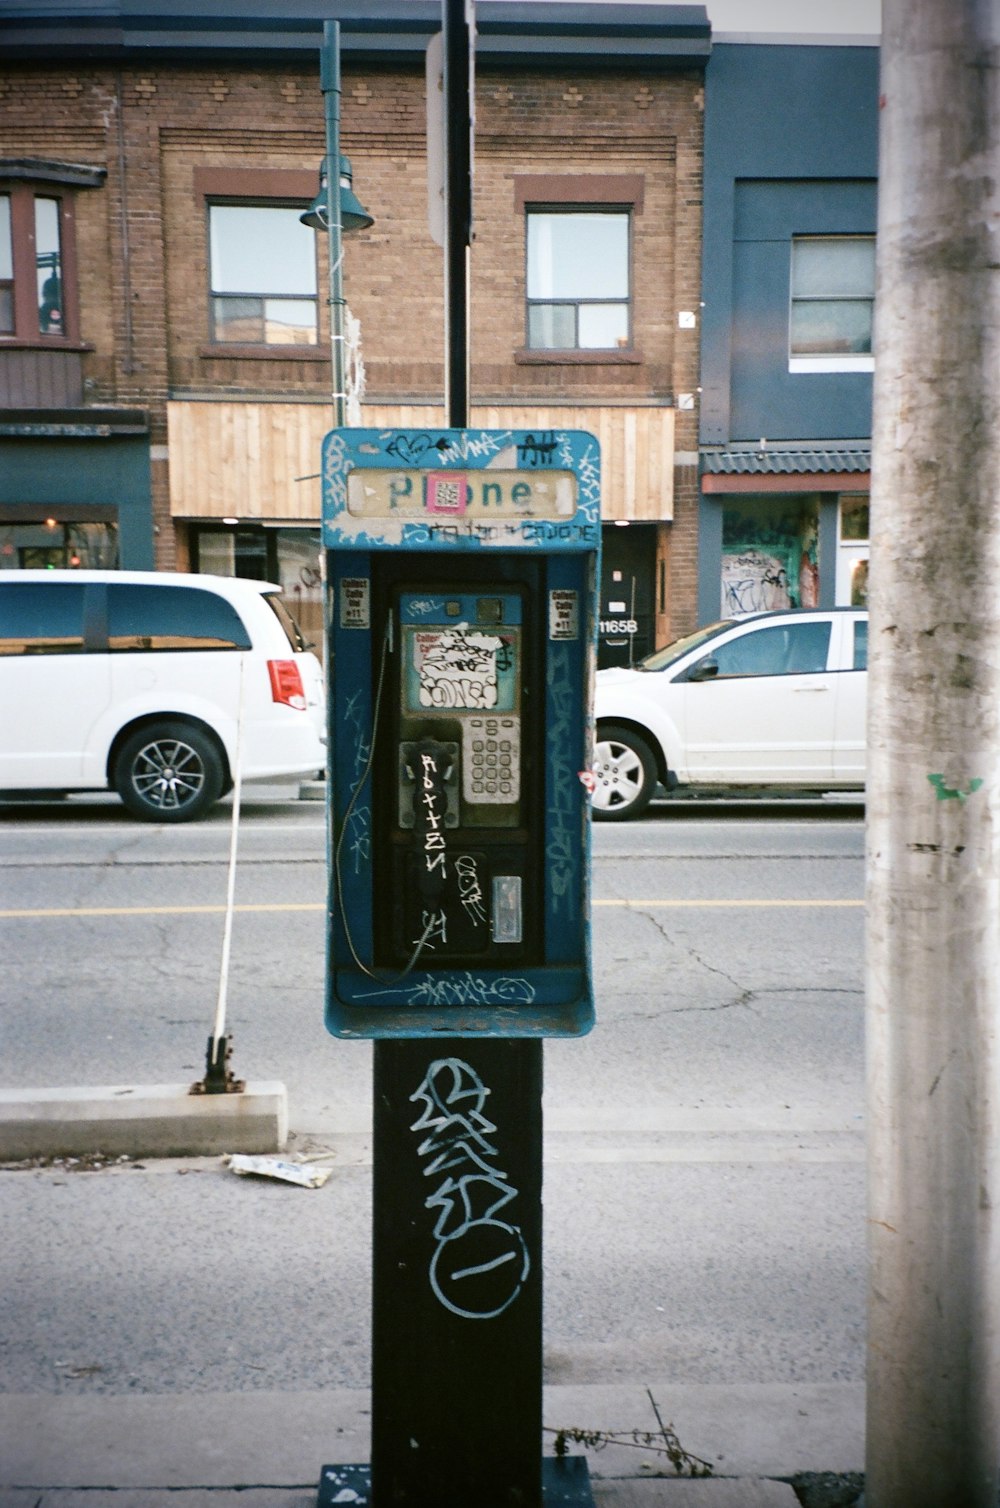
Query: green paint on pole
{"points": [[950, 792]]}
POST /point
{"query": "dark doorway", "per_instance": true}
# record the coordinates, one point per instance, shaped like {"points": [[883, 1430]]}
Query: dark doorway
{"points": [[628, 569]]}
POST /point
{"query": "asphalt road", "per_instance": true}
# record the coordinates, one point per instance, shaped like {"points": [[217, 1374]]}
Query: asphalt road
{"points": [[704, 1181]]}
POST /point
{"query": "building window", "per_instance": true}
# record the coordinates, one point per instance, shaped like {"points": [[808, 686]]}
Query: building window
{"points": [[6, 268], [578, 279], [34, 231], [853, 550], [34, 540], [770, 554], [832, 301], [263, 276]]}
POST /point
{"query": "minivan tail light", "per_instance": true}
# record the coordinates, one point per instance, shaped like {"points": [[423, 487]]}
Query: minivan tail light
{"points": [[286, 683]]}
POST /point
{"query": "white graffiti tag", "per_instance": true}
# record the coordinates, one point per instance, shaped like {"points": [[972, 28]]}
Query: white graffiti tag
{"points": [[480, 1263], [470, 891], [560, 849], [457, 668]]}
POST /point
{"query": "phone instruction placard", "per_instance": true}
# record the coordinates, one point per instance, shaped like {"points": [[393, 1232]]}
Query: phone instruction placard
{"points": [[355, 602]]}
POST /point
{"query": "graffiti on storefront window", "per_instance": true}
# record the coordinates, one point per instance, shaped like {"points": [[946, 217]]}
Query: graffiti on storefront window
{"points": [[770, 556], [753, 582]]}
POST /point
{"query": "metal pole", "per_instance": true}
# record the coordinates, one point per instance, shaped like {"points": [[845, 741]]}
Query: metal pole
{"points": [[934, 768], [457, 1275], [330, 85], [457, 28]]}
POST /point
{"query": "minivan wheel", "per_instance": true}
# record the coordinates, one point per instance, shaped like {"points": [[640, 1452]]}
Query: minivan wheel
{"points": [[168, 772], [624, 773]]}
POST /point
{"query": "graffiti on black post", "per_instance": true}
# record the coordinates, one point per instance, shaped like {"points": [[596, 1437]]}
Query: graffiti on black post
{"points": [[480, 1263]]}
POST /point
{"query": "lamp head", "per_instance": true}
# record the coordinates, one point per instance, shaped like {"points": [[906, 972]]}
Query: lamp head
{"points": [[353, 215]]}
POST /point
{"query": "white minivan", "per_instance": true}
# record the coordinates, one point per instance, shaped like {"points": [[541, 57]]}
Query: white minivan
{"points": [[140, 682]]}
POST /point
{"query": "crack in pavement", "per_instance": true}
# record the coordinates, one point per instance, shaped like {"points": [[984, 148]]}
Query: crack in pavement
{"points": [[748, 998], [744, 997]]}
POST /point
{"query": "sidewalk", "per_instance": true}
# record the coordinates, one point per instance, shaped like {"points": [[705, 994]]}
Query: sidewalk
{"points": [[266, 1450]]}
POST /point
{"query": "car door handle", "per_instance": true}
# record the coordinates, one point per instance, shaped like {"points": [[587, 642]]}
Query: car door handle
{"points": [[806, 690]]}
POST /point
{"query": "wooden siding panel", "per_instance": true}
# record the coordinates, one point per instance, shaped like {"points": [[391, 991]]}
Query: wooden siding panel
{"points": [[261, 460], [41, 378]]}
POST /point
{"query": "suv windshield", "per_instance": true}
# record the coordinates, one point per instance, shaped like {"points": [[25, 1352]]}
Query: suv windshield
{"points": [[660, 659]]}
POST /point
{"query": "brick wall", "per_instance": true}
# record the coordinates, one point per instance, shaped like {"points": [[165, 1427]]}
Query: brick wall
{"points": [[142, 237]]}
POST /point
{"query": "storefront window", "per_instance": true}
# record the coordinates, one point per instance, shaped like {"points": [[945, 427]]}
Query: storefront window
{"points": [[53, 544], [859, 583], [770, 554], [852, 552], [854, 516]]}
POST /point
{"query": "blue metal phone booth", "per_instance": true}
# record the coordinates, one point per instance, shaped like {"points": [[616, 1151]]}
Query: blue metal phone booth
{"points": [[462, 570]]}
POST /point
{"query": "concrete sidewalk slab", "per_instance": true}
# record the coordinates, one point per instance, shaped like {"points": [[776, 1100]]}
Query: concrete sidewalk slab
{"points": [[733, 1493], [741, 1492], [141, 1120], [168, 1445]]}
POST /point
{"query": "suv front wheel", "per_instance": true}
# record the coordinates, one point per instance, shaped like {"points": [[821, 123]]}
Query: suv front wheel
{"points": [[624, 773], [168, 772]]}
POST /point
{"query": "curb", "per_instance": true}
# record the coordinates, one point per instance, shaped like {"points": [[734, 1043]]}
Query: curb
{"points": [[142, 1120]]}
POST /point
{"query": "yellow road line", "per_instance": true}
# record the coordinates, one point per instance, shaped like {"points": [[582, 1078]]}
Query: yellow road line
{"points": [[747, 901], [28, 913], [158, 910]]}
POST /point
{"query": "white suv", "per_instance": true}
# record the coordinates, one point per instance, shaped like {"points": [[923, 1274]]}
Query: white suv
{"points": [[133, 681]]}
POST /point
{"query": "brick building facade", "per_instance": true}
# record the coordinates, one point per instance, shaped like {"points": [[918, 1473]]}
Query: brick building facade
{"points": [[148, 425]]}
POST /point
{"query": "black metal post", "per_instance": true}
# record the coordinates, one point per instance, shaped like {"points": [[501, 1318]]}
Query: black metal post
{"points": [[458, 109], [457, 1275]]}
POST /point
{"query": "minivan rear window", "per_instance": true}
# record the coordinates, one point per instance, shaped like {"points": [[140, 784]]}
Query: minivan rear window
{"points": [[143, 618], [293, 632], [39, 618]]}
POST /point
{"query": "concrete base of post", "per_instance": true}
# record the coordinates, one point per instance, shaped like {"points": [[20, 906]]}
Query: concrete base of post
{"points": [[141, 1120]]}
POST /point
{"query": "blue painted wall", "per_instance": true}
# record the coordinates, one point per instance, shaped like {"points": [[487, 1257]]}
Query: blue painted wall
{"points": [[791, 147], [111, 473]]}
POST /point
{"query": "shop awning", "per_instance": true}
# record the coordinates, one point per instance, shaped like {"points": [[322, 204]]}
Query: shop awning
{"points": [[769, 462], [769, 469]]}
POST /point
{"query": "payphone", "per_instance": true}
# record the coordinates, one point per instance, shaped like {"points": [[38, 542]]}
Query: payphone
{"points": [[461, 571]]}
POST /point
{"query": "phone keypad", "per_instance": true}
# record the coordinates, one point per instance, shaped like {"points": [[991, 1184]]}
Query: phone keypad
{"points": [[491, 760]]}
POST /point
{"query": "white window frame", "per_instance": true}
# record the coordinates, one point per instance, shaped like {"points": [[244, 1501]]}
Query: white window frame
{"points": [[836, 361]]}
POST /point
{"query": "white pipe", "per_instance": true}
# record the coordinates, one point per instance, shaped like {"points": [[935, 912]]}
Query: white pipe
{"points": [[218, 1030]]}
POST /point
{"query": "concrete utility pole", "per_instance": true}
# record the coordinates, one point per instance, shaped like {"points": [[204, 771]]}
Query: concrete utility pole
{"points": [[934, 768]]}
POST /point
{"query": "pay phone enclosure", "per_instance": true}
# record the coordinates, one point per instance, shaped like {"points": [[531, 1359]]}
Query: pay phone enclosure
{"points": [[456, 867]]}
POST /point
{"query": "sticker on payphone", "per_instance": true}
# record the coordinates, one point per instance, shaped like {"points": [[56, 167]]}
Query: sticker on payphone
{"points": [[447, 492]]}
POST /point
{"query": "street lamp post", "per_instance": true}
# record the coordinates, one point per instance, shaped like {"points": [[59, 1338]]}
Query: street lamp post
{"points": [[335, 210]]}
